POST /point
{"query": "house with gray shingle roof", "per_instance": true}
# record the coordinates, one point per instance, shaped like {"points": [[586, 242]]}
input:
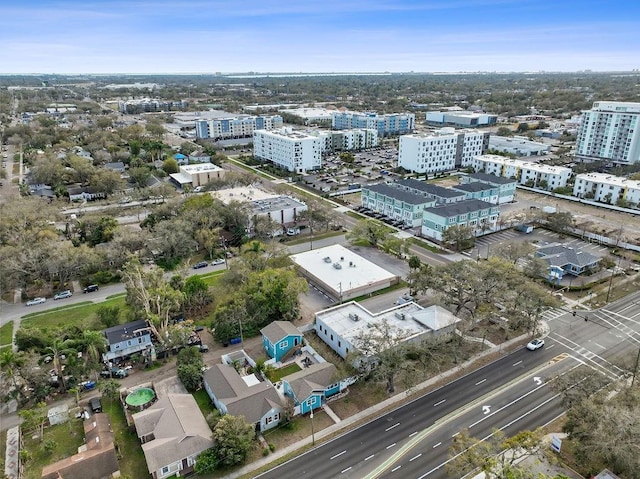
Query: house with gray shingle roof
{"points": [[564, 259], [279, 338], [244, 395], [173, 433], [311, 386]]}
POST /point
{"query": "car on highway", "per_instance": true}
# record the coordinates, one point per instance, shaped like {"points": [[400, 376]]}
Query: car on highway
{"points": [[201, 264], [218, 261], [63, 294], [91, 288], [34, 301], [535, 344]]}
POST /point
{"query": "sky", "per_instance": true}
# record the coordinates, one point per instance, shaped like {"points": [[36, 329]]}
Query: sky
{"points": [[207, 36]]}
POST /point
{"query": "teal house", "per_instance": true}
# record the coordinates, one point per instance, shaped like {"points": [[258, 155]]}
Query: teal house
{"points": [[310, 387], [280, 339]]}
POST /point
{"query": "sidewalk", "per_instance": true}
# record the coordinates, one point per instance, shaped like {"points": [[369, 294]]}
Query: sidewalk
{"points": [[368, 414]]}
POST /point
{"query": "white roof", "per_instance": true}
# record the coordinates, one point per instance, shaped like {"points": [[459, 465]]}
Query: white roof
{"points": [[199, 168], [181, 178], [245, 193], [354, 271], [607, 179]]}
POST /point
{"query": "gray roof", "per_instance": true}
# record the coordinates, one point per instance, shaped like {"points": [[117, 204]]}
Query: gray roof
{"points": [[428, 188], [179, 430], [252, 402], [122, 332], [560, 255], [459, 208], [397, 193], [492, 179], [277, 330], [435, 317], [116, 165], [314, 378], [474, 187]]}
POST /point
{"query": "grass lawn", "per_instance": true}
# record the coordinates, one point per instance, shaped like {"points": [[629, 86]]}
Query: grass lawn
{"points": [[130, 455], [282, 372], [213, 278], [63, 439], [427, 246], [72, 315], [204, 401], [6, 333], [355, 215]]}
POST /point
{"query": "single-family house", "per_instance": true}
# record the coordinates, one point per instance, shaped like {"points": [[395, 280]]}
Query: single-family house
{"points": [[96, 458], [280, 338], [84, 193], [181, 159], [118, 166], [173, 433], [244, 395], [199, 157], [126, 339], [311, 386], [564, 259]]}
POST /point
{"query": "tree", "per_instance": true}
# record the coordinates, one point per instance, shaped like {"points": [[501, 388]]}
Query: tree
{"points": [[34, 418], [83, 169], [560, 222], [460, 236], [60, 345], [234, 437], [196, 294], [522, 127], [140, 176], [93, 344], [190, 375], [513, 250], [106, 181], [370, 232], [149, 293], [110, 389], [170, 165], [108, 316], [207, 461], [381, 350], [504, 131]]}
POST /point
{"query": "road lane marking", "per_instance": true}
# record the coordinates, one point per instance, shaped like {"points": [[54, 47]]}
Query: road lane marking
{"points": [[455, 434], [436, 445], [415, 457], [370, 457], [391, 427], [600, 345], [519, 362], [339, 454], [413, 434], [439, 402], [395, 468], [391, 445], [345, 470], [480, 382], [550, 346]]}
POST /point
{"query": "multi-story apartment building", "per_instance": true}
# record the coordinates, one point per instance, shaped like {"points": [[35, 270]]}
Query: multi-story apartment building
{"points": [[396, 203], [607, 188], [292, 150], [236, 127], [443, 150], [345, 140], [506, 186], [439, 194], [610, 131], [480, 216], [150, 105], [534, 175], [389, 124], [478, 191]]}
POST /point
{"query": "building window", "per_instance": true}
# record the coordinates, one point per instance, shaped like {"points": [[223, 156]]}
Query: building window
{"points": [[165, 470]]}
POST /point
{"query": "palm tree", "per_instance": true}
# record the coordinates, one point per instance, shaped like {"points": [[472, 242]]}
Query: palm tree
{"points": [[9, 364], [94, 344], [56, 349]]}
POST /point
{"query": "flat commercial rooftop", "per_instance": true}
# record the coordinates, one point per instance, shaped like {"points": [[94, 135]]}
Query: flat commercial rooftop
{"points": [[242, 194], [341, 270]]}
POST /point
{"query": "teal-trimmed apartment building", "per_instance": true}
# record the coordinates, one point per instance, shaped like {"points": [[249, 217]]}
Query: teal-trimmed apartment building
{"points": [[506, 186], [481, 216], [396, 203]]}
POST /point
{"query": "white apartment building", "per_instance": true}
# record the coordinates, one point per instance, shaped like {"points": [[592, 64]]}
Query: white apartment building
{"points": [[388, 124], [292, 150], [235, 127], [443, 150], [607, 188], [525, 173], [356, 139], [610, 131]]}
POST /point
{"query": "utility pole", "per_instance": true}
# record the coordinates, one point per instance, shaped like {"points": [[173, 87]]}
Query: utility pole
{"points": [[635, 369]]}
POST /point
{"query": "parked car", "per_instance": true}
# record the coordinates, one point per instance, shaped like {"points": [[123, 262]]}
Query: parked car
{"points": [[35, 301], [218, 261], [201, 264], [535, 344], [96, 405], [91, 288], [63, 294]]}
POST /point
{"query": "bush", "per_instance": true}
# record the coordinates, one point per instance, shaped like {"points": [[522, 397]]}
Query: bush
{"points": [[272, 447], [265, 451]]}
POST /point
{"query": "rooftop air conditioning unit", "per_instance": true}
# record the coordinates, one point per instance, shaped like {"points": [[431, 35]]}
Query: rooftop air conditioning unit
{"points": [[327, 259], [401, 316], [354, 317], [337, 265]]}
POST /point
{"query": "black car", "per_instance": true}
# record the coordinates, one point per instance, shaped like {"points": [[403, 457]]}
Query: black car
{"points": [[96, 405], [201, 264], [91, 288]]}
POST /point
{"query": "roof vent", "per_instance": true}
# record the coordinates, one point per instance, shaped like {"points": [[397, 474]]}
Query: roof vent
{"points": [[327, 259], [337, 265]]}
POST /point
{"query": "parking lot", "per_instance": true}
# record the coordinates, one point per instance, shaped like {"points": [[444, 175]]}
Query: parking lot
{"points": [[371, 166]]}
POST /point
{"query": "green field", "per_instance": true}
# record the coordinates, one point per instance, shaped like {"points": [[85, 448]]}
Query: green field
{"points": [[73, 315], [6, 334]]}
